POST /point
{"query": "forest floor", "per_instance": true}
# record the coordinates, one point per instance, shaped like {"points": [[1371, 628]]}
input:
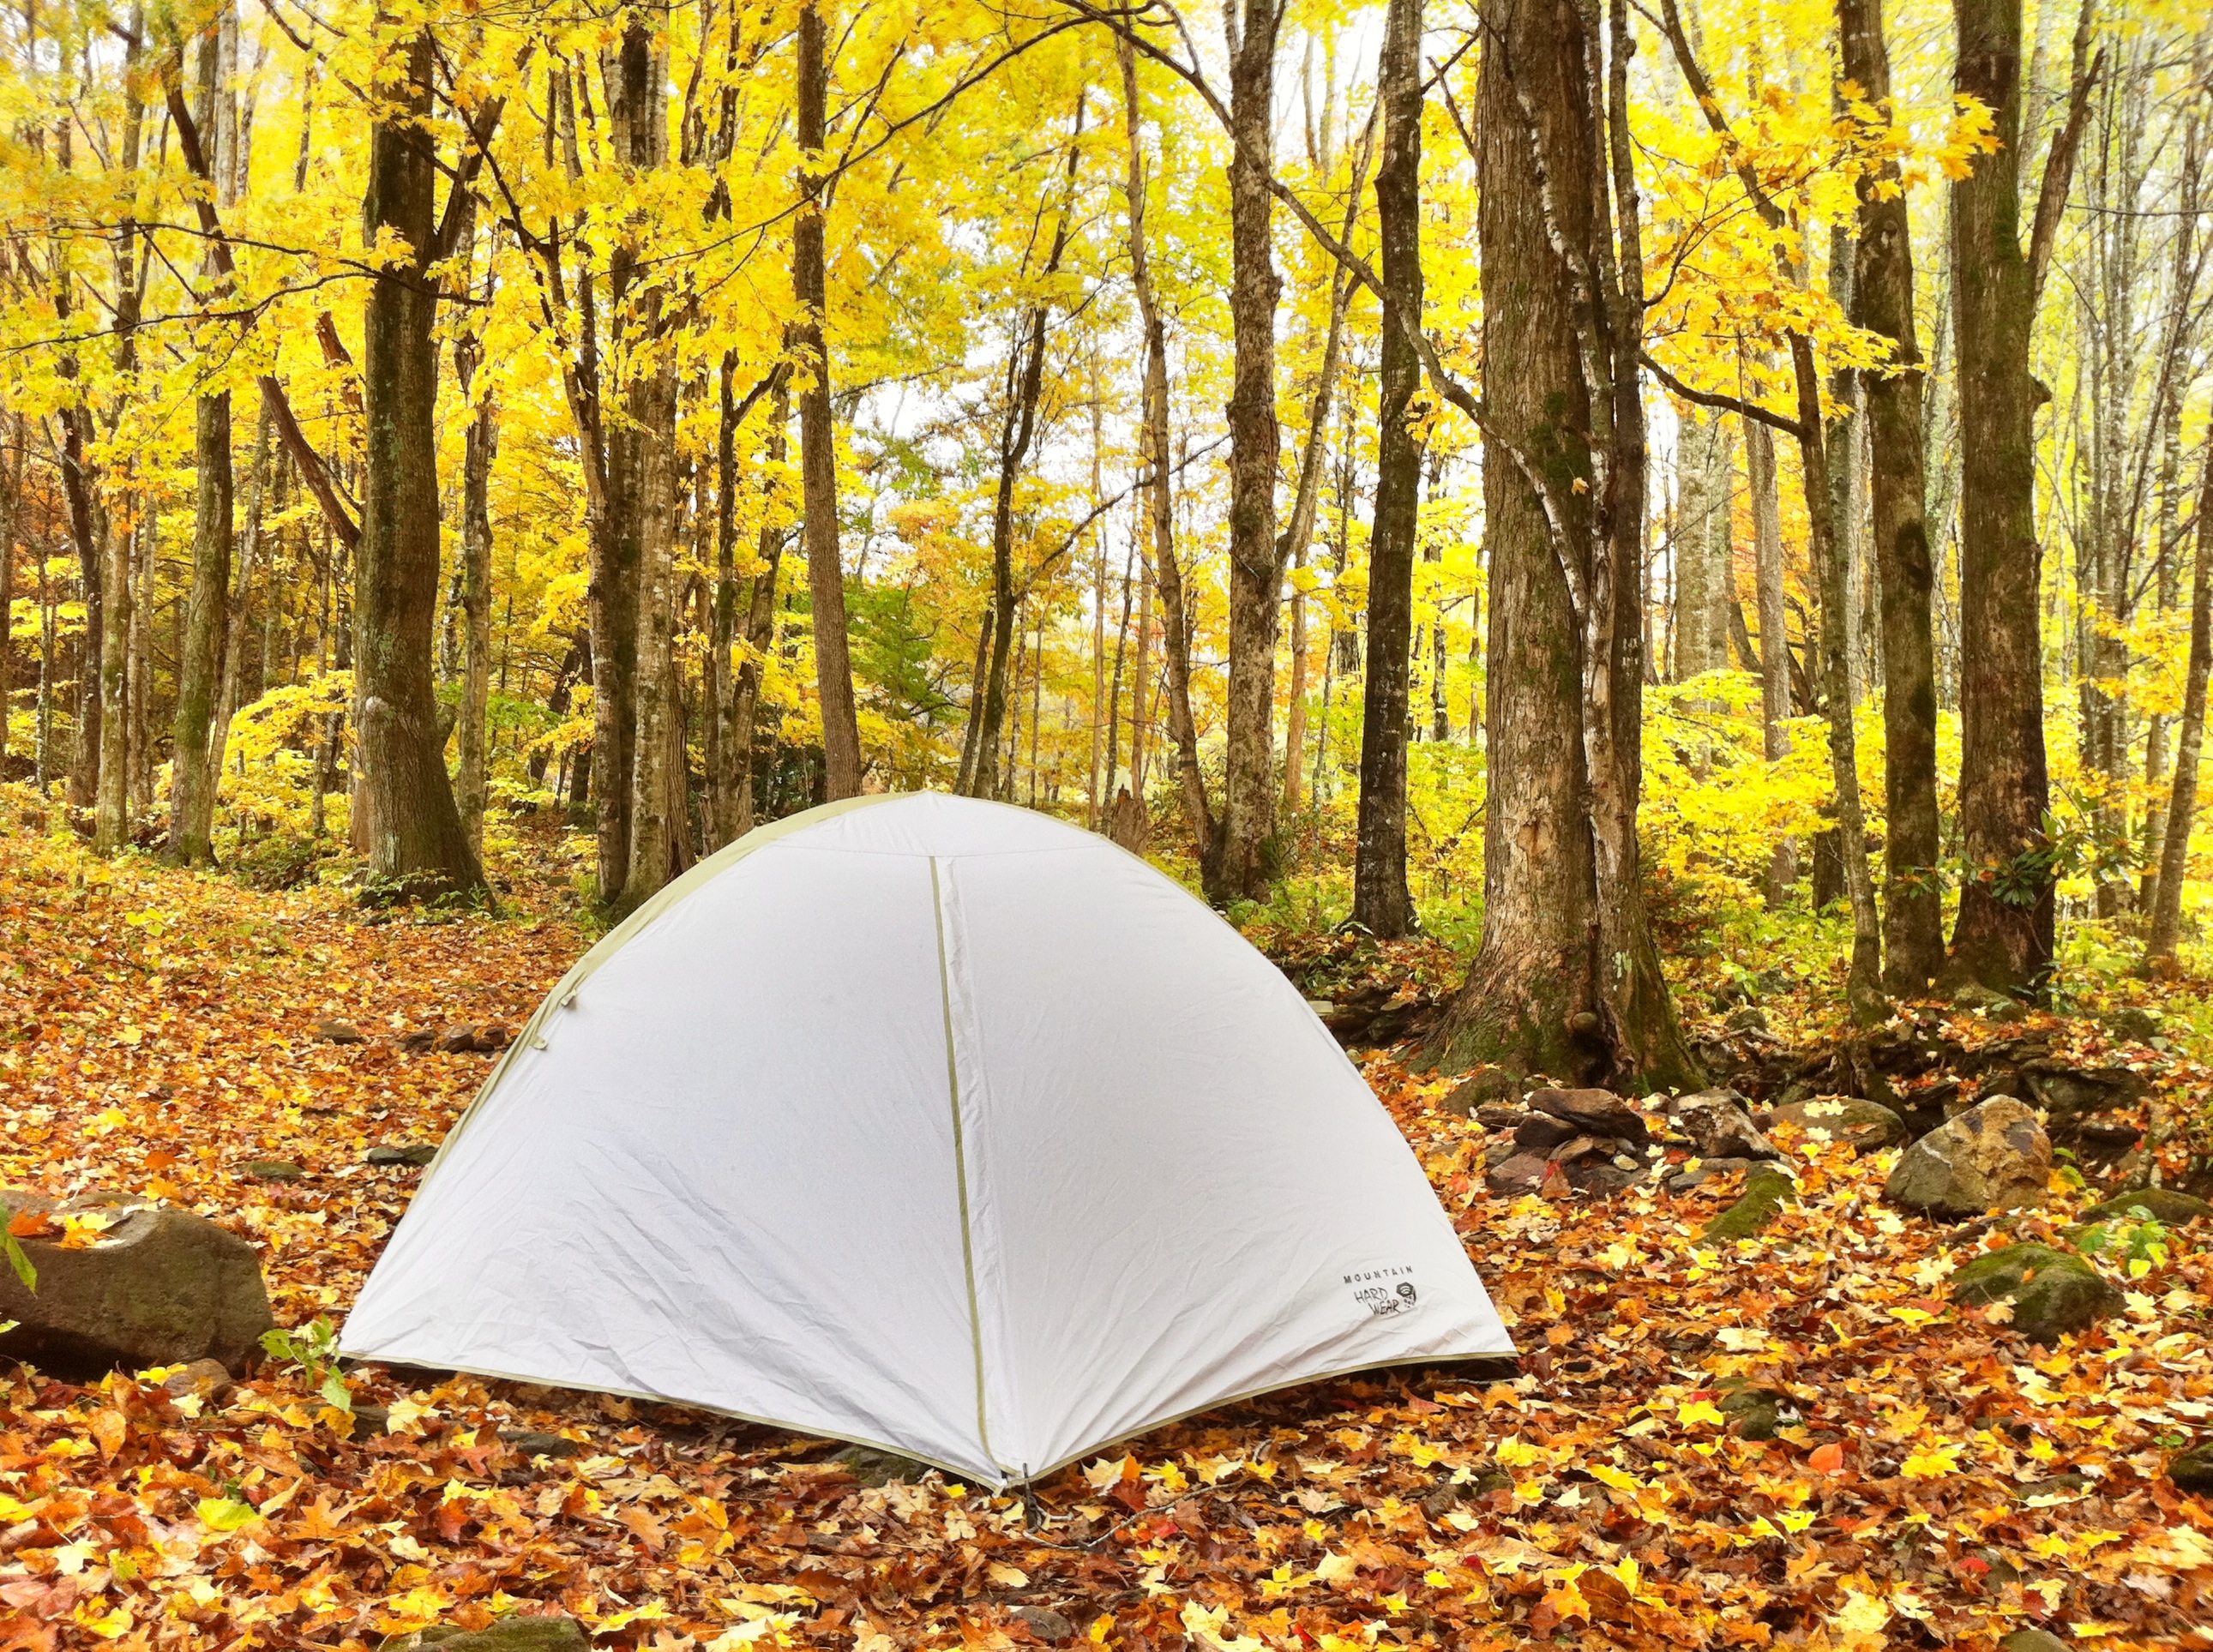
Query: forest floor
{"points": [[1936, 1481]]}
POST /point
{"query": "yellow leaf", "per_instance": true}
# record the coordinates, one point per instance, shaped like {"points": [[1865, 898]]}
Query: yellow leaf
{"points": [[1697, 1412], [1931, 1463], [226, 1513], [1007, 1577]]}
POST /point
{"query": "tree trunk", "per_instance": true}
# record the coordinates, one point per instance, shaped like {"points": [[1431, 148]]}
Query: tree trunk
{"points": [[1025, 385], [1567, 980], [418, 846], [2003, 935], [636, 74], [1381, 901], [1166, 574], [1239, 863], [11, 503], [194, 777], [482, 445], [818, 438], [1883, 302], [2182, 801], [760, 625]]}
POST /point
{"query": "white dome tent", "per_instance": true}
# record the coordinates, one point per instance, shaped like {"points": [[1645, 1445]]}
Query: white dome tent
{"points": [[933, 1124]]}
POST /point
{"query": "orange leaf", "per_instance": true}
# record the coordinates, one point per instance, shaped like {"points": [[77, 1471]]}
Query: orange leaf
{"points": [[33, 1224], [1828, 1460]]}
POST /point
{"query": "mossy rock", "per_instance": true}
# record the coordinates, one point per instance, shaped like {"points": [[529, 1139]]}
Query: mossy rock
{"points": [[2192, 1470], [1767, 1191], [2166, 1206], [510, 1635], [1864, 1126], [1757, 1411], [2054, 1293], [873, 1467]]}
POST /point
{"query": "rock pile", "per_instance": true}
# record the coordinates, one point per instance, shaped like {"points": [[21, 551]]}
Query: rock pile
{"points": [[1591, 1140]]}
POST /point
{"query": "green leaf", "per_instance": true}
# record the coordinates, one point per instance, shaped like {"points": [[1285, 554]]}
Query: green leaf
{"points": [[25, 1269], [335, 1392]]}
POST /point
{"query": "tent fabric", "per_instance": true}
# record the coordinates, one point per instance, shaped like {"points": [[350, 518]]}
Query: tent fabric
{"points": [[934, 1125]]}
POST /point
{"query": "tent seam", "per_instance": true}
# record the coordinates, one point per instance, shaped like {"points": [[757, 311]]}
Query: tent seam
{"points": [[959, 1159]]}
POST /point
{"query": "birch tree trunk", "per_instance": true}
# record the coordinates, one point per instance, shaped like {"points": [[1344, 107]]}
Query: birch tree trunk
{"points": [[1239, 863]]}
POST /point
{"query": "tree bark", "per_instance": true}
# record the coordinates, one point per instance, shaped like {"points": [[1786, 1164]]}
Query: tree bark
{"points": [[1165, 573], [2182, 800], [1381, 901], [1567, 979], [760, 624], [637, 78], [1883, 302], [1239, 863], [481, 445], [2004, 936], [418, 847], [818, 438]]}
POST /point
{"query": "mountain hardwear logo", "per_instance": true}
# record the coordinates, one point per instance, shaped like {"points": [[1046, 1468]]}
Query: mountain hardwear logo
{"points": [[1385, 1301]]}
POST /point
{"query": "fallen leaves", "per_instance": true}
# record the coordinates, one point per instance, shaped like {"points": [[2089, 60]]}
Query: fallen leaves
{"points": [[1918, 1487]]}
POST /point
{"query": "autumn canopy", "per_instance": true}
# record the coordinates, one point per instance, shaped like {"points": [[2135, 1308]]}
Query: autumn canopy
{"points": [[934, 1125]]}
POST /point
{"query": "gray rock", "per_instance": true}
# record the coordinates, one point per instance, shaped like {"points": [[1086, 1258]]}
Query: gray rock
{"points": [[1995, 1156], [509, 1635], [2067, 1093], [1717, 1122], [2056, 1485], [1046, 1624], [1757, 1412], [414, 1153], [2033, 1640], [2054, 1293], [1749, 1018], [2135, 1023], [336, 1032], [2192, 1470], [1540, 1133], [1501, 1115], [1482, 1086], [1865, 1127], [160, 1286], [1522, 1174], [422, 1041], [272, 1170], [1594, 1112]]}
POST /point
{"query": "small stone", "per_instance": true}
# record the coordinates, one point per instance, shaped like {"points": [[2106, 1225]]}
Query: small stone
{"points": [[2192, 1470], [1501, 1115], [1757, 1412], [416, 1153], [509, 1635], [2056, 1485], [1540, 1133], [339, 1033], [272, 1170], [531, 1443], [1522, 1174], [1747, 1018], [1441, 1502], [1482, 1086], [206, 1378], [2135, 1022], [420, 1041], [2163, 1204], [2033, 1640], [1995, 1156], [1865, 1127], [1046, 1624], [2053, 1293], [1595, 1112], [1717, 1122], [1578, 1148], [370, 1419], [873, 1467]]}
